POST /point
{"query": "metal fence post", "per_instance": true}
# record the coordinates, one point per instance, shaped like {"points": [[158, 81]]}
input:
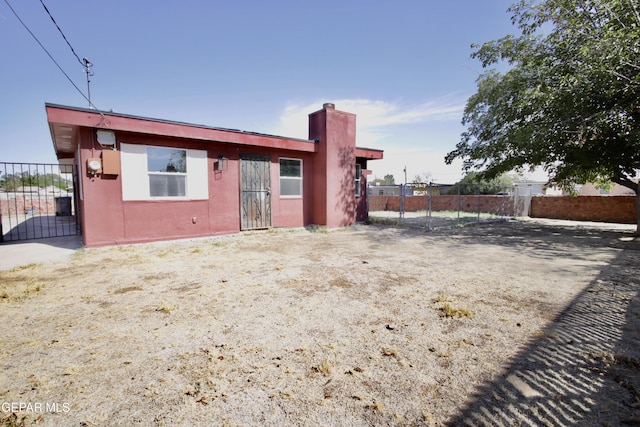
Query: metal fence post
{"points": [[430, 201], [401, 201], [459, 206], [478, 204]]}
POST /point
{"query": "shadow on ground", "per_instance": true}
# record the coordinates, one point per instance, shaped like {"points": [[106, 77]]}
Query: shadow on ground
{"points": [[584, 368], [46, 229]]}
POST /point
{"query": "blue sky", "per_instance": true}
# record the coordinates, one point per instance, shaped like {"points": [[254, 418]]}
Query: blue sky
{"points": [[403, 68]]}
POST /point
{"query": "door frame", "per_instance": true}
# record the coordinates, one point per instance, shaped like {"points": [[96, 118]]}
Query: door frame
{"points": [[255, 192]]}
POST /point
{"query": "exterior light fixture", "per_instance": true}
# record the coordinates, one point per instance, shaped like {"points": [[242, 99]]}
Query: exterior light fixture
{"points": [[106, 138], [222, 163]]}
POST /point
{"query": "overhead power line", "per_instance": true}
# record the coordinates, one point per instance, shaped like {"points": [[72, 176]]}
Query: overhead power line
{"points": [[61, 33], [87, 65], [84, 61]]}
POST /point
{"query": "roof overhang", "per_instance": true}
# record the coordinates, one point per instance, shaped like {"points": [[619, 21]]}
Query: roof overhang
{"points": [[369, 153], [65, 122]]}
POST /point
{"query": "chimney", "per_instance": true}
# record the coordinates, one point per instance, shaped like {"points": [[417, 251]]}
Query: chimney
{"points": [[334, 165]]}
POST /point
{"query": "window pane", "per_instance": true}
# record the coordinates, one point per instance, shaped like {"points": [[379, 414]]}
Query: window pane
{"points": [[290, 167], [290, 187], [166, 160], [167, 185]]}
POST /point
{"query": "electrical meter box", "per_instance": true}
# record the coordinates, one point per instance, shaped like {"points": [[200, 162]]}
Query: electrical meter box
{"points": [[110, 162]]}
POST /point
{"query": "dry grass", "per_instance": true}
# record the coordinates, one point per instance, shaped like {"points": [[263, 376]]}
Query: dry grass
{"points": [[20, 288], [324, 367], [368, 326], [390, 352], [166, 307], [441, 298], [449, 311], [13, 420]]}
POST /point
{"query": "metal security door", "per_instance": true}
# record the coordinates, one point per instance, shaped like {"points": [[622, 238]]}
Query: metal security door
{"points": [[255, 192]]}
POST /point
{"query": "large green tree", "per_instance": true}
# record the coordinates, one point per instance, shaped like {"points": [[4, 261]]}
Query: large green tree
{"points": [[473, 183], [569, 100]]}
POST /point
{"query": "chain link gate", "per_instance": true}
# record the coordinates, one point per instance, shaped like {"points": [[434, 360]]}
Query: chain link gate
{"points": [[431, 206]]}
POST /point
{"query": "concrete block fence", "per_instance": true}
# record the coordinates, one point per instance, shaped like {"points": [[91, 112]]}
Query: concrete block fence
{"points": [[615, 209]]}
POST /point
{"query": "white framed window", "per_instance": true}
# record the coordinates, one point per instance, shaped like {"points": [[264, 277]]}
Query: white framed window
{"points": [[163, 173], [358, 179], [290, 177], [167, 169]]}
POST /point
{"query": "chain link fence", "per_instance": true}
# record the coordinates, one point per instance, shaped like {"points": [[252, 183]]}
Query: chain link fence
{"points": [[433, 206]]}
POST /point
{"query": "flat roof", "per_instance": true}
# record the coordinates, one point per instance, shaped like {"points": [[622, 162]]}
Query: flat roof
{"points": [[64, 122], [175, 122]]}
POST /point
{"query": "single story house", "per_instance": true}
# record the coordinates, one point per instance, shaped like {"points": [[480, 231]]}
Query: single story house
{"points": [[384, 190], [141, 179], [591, 189], [529, 188]]}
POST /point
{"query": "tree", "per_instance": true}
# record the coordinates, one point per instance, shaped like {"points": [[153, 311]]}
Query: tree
{"points": [[389, 179], [570, 100], [474, 183], [422, 178], [12, 182], [420, 182]]}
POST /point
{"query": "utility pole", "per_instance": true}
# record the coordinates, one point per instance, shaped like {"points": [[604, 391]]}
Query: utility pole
{"points": [[87, 69]]}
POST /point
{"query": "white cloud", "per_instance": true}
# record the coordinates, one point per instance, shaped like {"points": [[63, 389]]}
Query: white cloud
{"points": [[418, 162], [376, 120], [405, 132], [415, 137]]}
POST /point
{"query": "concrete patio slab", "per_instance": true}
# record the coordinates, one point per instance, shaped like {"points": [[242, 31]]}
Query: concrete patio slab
{"points": [[16, 254]]}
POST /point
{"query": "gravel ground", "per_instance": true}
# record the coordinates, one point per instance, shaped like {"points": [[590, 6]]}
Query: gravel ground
{"points": [[510, 323]]}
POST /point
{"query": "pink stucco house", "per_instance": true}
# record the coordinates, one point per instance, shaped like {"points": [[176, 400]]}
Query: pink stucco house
{"points": [[142, 179]]}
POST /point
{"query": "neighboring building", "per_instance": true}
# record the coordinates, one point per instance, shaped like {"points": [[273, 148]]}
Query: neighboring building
{"points": [[28, 189], [411, 189], [540, 188], [141, 179], [529, 188], [592, 190], [383, 190]]}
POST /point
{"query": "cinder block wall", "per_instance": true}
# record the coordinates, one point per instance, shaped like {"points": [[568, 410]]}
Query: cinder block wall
{"points": [[488, 204], [620, 209], [20, 205]]}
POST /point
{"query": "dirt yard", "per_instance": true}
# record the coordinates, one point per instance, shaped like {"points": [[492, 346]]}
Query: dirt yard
{"points": [[515, 323]]}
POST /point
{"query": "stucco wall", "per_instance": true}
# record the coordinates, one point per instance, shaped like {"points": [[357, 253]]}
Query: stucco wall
{"points": [[335, 204], [110, 220], [118, 208]]}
